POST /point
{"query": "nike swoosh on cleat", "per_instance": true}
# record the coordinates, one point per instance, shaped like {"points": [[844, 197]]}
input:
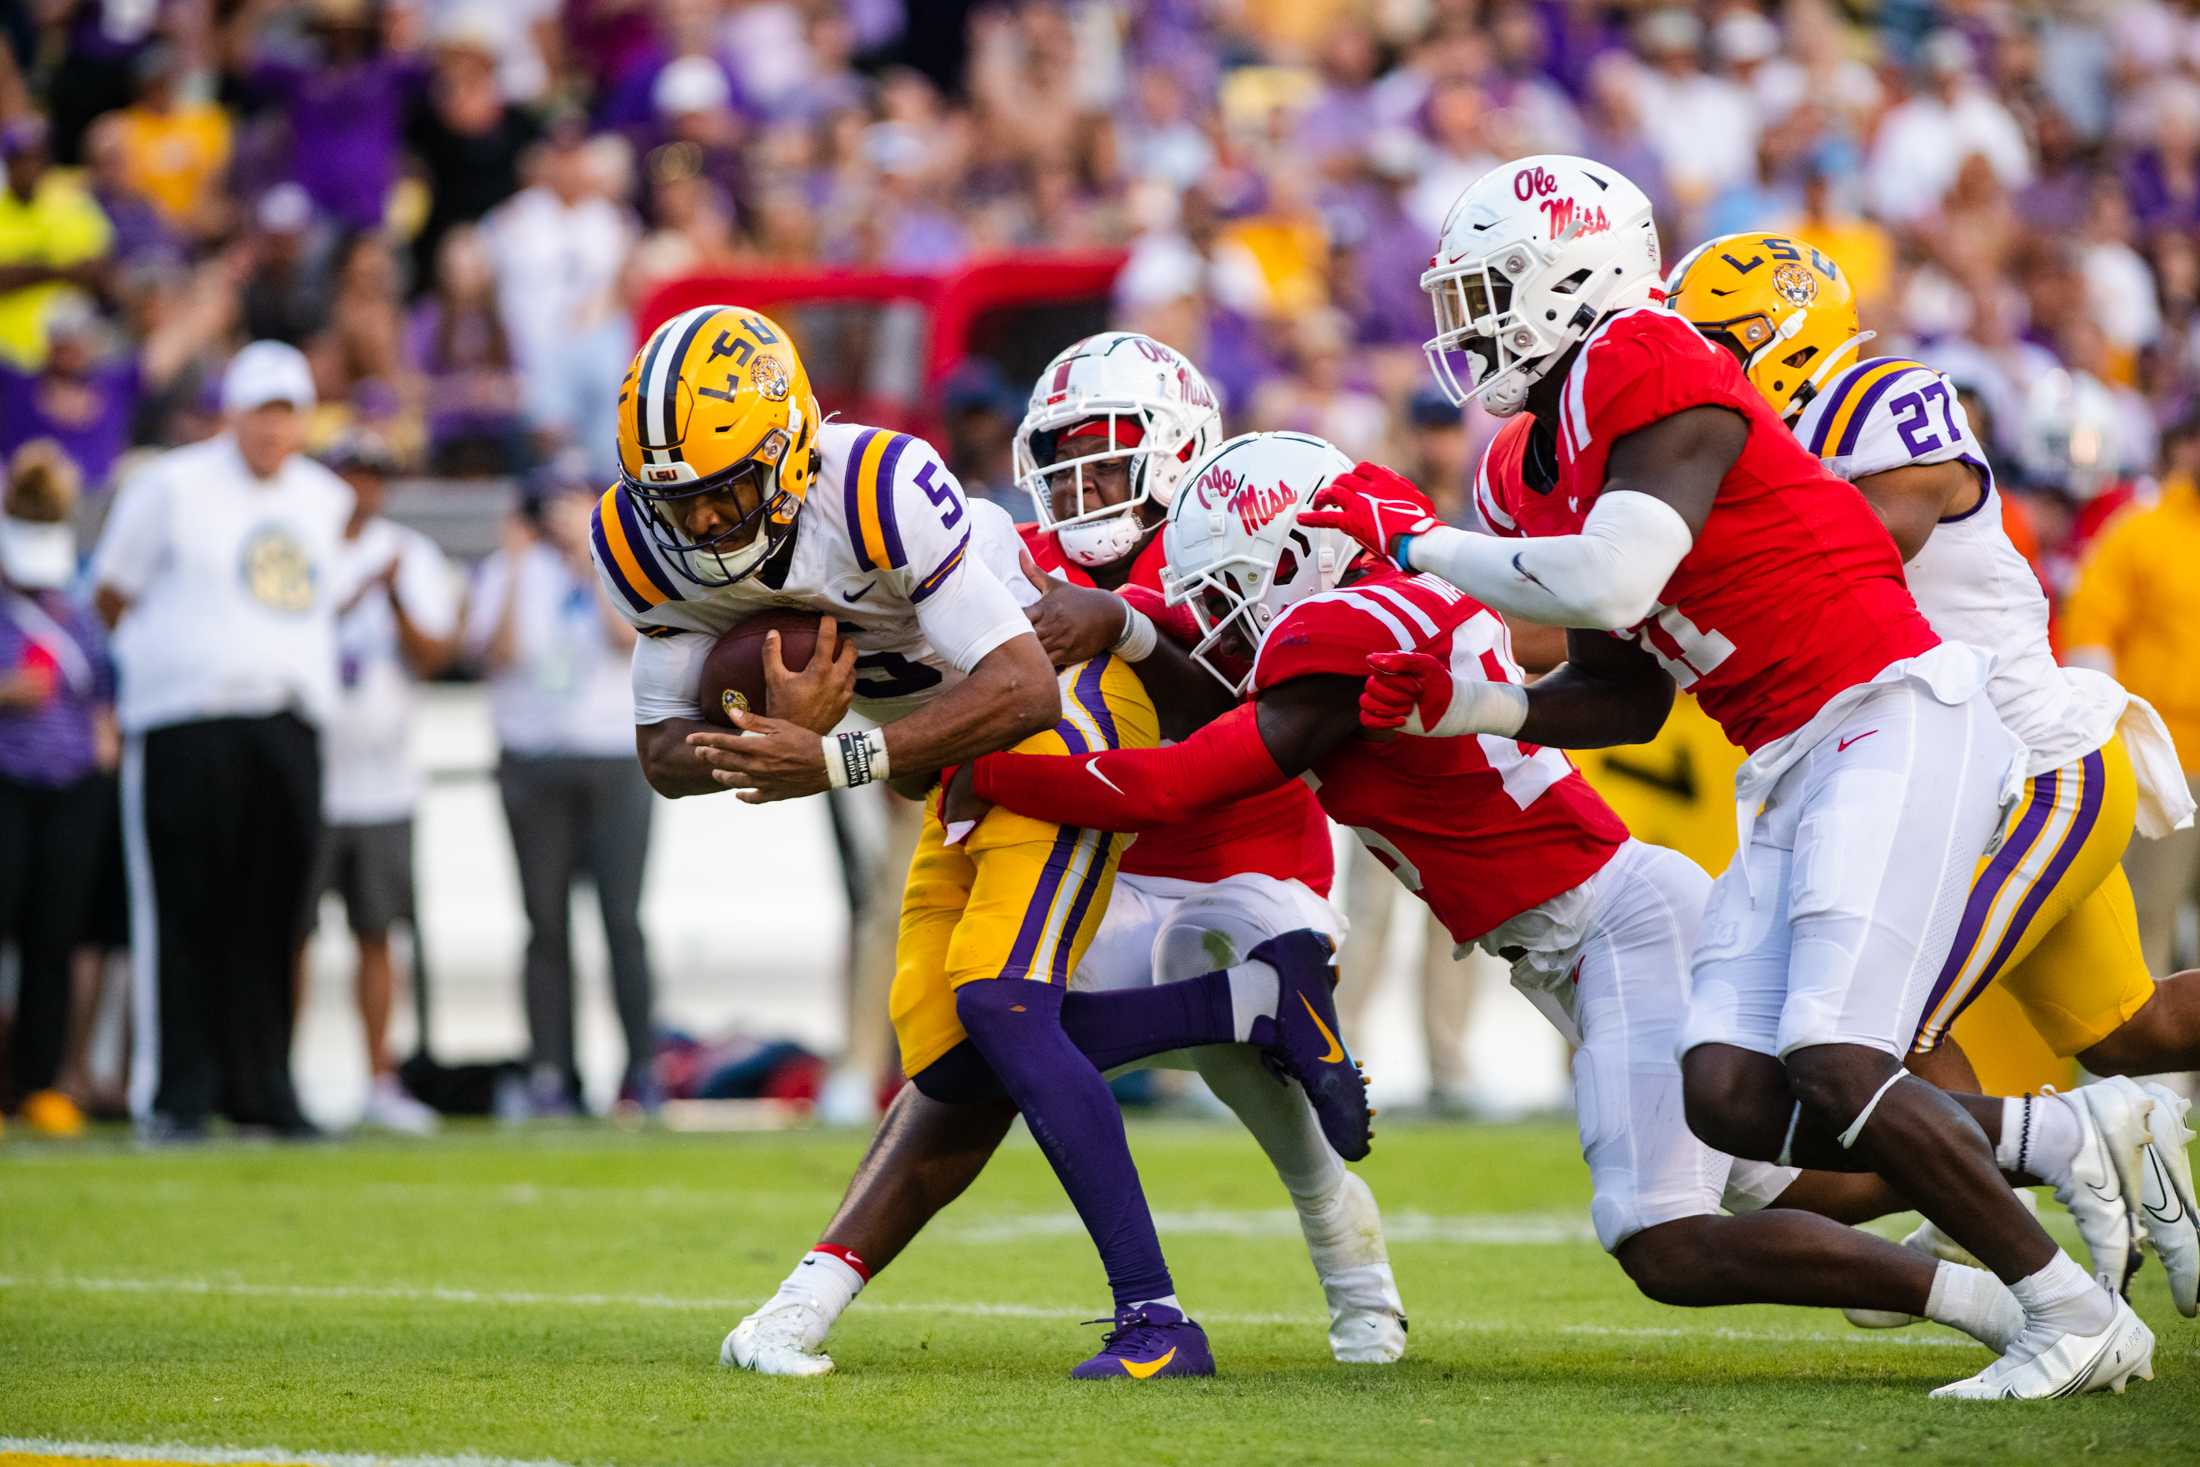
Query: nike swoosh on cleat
{"points": [[1336, 1050], [2160, 1174], [1151, 1368]]}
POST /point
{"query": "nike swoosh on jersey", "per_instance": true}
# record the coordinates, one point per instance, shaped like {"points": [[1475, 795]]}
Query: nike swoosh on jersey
{"points": [[1094, 771], [855, 596]]}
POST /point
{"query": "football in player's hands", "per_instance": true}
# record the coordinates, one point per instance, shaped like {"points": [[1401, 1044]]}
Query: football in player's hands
{"points": [[1374, 505], [733, 670]]}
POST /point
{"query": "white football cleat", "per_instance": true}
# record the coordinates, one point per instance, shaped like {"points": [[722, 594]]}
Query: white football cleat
{"points": [[2103, 1187], [1367, 1319], [779, 1339], [2166, 1208], [2042, 1365]]}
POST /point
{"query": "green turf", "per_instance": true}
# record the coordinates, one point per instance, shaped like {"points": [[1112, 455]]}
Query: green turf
{"points": [[562, 1294]]}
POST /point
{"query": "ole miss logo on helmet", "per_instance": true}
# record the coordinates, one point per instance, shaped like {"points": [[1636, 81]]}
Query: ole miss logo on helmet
{"points": [[1255, 506]]}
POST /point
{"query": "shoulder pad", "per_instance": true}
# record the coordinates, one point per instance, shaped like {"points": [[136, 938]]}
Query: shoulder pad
{"points": [[1832, 423], [867, 488], [625, 558]]}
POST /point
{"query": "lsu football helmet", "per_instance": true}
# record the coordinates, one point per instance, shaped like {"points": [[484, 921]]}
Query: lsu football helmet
{"points": [[717, 402], [1532, 255], [1785, 308], [1115, 396], [1237, 554]]}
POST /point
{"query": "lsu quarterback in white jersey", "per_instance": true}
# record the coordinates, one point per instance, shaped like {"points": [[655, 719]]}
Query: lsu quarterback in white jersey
{"points": [[736, 496], [2050, 915]]}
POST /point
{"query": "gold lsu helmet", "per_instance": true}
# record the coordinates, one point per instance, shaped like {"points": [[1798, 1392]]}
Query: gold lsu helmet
{"points": [[716, 396], [1779, 304]]}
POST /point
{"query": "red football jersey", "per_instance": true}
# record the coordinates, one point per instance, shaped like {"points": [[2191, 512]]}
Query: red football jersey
{"points": [[1280, 834], [1482, 829], [1794, 589]]}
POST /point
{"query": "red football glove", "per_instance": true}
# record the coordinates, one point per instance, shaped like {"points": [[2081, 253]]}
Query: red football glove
{"points": [[1420, 694], [1374, 506], [1408, 691]]}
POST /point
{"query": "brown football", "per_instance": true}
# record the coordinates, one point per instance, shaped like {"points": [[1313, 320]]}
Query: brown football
{"points": [[733, 673]]}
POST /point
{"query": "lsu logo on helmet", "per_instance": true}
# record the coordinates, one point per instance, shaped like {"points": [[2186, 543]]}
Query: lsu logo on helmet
{"points": [[1786, 309], [717, 440]]}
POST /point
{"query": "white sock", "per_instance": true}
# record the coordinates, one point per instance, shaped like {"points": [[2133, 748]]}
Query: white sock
{"points": [[1279, 1118], [823, 1281], [1974, 1301], [1166, 1301], [2040, 1136], [2065, 1297], [1255, 990]]}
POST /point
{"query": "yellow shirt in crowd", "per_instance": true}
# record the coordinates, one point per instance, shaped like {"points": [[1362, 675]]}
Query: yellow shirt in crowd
{"points": [[59, 224], [175, 157], [2137, 599]]}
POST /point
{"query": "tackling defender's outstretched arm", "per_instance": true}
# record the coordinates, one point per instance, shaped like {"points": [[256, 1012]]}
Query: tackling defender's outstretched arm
{"points": [[1607, 692], [1253, 748]]}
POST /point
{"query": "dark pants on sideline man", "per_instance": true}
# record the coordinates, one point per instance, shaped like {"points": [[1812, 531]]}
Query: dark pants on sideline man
{"points": [[222, 819], [49, 858], [572, 815]]}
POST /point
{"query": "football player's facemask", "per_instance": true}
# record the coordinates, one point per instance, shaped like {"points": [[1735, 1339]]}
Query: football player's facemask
{"points": [[1236, 552], [1112, 425], [1784, 310], [718, 440], [1532, 255]]}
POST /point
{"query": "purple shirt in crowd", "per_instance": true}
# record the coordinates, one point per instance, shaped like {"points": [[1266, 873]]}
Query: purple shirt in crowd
{"points": [[96, 441], [52, 744], [345, 126]]}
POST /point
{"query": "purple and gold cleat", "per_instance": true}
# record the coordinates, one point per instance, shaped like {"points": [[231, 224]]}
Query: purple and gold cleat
{"points": [[1148, 1342], [1302, 1039]]}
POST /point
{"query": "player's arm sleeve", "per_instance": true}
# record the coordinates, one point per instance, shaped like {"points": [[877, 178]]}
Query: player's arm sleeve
{"points": [[1136, 789], [912, 522], [135, 537], [1605, 578], [667, 674]]}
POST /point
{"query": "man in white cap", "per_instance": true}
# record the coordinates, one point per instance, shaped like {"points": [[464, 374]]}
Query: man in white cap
{"points": [[216, 570]]}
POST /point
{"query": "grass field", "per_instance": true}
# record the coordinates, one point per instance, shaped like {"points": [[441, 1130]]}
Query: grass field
{"points": [[561, 1295]]}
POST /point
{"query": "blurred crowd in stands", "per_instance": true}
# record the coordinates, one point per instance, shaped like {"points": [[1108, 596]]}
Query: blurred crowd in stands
{"points": [[454, 209]]}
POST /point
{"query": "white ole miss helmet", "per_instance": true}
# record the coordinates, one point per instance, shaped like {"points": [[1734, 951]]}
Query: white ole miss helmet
{"points": [[2069, 436], [1236, 551], [1118, 395], [1532, 255]]}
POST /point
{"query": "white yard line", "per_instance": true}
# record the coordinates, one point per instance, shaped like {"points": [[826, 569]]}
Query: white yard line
{"points": [[33, 1446], [959, 1308]]}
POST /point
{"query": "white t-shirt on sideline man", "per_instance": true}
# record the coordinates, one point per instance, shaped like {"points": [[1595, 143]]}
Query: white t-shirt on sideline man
{"points": [[366, 750], [233, 587], [566, 689]]}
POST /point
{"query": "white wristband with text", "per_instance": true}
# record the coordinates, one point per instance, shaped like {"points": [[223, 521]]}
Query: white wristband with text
{"points": [[855, 758]]}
